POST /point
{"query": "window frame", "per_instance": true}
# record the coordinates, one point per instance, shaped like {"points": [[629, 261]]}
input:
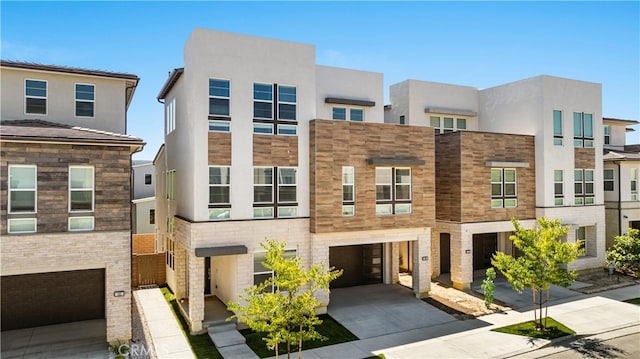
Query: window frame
{"points": [[349, 205], [77, 100], [633, 184], [45, 97], [93, 189], [580, 140], [170, 116], [606, 180], [583, 198], [276, 124], [276, 208], [286, 255], [71, 219], [503, 197], [216, 209], [391, 205], [441, 125], [11, 220], [10, 209], [607, 134], [348, 113], [558, 138], [558, 197], [227, 98]]}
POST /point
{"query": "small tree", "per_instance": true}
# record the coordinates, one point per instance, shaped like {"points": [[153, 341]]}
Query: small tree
{"points": [[542, 263], [625, 253], [287, 313], [488, 287]]}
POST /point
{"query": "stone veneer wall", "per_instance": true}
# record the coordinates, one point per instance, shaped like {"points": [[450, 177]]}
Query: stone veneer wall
{"points": [[275, 150], [334, 144], [585, 158], [52, 252], [219, 149], [112, 183]]}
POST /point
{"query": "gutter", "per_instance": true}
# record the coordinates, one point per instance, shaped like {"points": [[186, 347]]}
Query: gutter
{"points": [[619, 200]]}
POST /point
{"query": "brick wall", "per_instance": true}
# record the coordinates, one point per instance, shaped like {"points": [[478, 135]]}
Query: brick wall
{"points": [[275, 150], [334, 144], [112, 183], [219, 149]]}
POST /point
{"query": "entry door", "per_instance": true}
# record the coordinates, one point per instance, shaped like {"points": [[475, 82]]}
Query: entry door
{"points": [[207, 275], [484, 245], [445, 253]]}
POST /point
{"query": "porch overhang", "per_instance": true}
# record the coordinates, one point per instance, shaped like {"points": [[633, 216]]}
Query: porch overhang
{"points": [[221, 251], [349, 101]]}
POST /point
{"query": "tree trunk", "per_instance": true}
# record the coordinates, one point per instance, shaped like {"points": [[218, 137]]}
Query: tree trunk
{"points": [[300, 345], [540, 306], [535, 319], [288, 350], [277, 351], [546, 309]]}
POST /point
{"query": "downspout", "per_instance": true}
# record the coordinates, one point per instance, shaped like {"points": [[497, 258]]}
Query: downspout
{"points": [[619, 201]]}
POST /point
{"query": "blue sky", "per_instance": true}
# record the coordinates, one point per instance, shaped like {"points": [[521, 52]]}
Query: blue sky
{"points": [[480, 44]]}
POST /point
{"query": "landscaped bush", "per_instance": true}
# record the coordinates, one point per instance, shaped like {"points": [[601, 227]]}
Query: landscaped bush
{"points": [[625, 254]]}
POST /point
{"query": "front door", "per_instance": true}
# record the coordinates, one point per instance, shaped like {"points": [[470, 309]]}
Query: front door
{"points": [[484, 245], [445, 253], [207, 275]]}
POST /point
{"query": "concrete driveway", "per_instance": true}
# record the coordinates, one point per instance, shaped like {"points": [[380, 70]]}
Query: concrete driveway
{"points": [[86, 339], [380, 309]]}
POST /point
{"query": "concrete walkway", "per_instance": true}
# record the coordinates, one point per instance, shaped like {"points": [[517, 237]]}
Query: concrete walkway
{"points": [[166, 336]]}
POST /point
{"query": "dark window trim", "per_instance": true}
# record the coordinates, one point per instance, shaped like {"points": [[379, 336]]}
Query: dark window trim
{"points": [[275, 102], [393, 201], [275, 203]]}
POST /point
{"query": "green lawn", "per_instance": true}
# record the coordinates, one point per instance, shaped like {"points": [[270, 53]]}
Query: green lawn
{"points": [[528, 329], [633, 301], [329, 328], [201, 345]]}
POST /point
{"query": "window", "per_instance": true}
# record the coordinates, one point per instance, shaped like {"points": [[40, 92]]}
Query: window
{"points": [[81, 223], [581, 238], [218, 98], [582, 129], [170, 116], [558, 187], [583, 182], [354, 114], [219, 126], [80, 189], [503, 188], [608, 179], [586, 238], [557, 128], [152, 216], [171, 184], [85, 100], [447, 124], [147, 178], [275, 196], [393, 190], [170, 254], [607, 134], [22, 198], [219, 193], [634, 184], [274, 114], [348, 191], [260, 273], [402, 120], [35, 92]]}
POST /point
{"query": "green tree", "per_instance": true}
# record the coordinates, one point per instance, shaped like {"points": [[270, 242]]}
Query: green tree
{"points": [[488, 287], [625, 253], [542, 262], [283, 307]]}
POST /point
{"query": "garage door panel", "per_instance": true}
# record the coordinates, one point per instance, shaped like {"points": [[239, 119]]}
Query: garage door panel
{"points": [[361, 264], [31, 300]]}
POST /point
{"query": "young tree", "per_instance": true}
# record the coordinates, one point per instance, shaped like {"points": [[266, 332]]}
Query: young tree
{"points": [[284, 306], [625, 253], [542, 262], [488, 287]]}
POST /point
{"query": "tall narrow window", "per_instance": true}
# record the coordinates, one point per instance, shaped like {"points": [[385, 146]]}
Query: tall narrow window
{"points": [[219, 98], [434, 121], [171, 184], [152, 216], [219, 193], [557, 128], [81, 190], [608, 179], [147, 178], [584, 187], [582, 129], [85, 100], [263, 101], [503, 188], [287, 103], [634, 184], [607, 134], [348, 191], [263, 192], [170, 116], [393, 190], [287, 192], [581, 238], [558, 187], [22, 198], [402, 120], [35, 97]]}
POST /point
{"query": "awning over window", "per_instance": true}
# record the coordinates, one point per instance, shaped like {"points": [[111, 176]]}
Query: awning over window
{"points": [[451, 111], [220, 251], [389, 161], [348, 101]]}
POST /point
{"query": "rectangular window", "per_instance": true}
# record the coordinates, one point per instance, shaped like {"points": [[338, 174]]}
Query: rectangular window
{"points": [[274, 109], [35, 92], [356, 114], [21, 225], [219, 98], [81, 223], [262, 101], [263, 128], [286, 103], [288, 130], [350, 114], [402, 120], [634, 184], [219, 126], [583, 187], [170, 116], [219, 193], [608, 179], [152, 216], [147, 178], [171, 184], [447, 124], [393, 190], [557, 128], [607, 134], [558, 187], [85, 100], [22, 189], [287, 185], [261, 273], [81, 181], [581, 238], [582, 129], [275, 195], [348, 191], [503, 188], [339, 113]]}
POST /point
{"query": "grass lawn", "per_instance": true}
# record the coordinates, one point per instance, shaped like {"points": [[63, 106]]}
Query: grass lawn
{"points": [[201, 345], [329, 328], [528, 329], [633, 301]]}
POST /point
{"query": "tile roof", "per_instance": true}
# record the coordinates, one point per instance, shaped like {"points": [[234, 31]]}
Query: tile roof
{"points": [[67, 69], [39, 130]]}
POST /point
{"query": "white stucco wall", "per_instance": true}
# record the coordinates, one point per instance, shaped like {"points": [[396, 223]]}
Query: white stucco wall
{"points": [[140, 189], [141, 219]]}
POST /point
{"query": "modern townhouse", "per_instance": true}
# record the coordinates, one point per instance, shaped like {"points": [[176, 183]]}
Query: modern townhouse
{"points": [[260, 141], [621, 166], [526, 149], [65, 184]]}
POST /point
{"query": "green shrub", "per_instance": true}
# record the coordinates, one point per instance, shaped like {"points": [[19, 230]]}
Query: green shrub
{"points": [[488, 287], [625, 253]]}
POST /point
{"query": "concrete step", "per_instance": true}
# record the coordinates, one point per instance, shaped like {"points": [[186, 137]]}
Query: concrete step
{"points": [[222, 327], [240, 351], [225, 335]]}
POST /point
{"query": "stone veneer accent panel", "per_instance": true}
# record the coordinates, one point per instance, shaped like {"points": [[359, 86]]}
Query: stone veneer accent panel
{"points": [[112, 183], [334, 144], [53, 252], [469, 183], [272, 150], [219, 149], [585, 158]]}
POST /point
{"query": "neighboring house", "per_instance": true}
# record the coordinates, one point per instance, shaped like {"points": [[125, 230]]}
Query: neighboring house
{"points": [[621, 167], [277, 146], [144, 216], [143, 179], [143, 207], [537, 152], [66, 188]]}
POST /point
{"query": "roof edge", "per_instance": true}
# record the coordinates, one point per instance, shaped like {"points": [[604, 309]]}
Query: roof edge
{"points": [[174, 76]]}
